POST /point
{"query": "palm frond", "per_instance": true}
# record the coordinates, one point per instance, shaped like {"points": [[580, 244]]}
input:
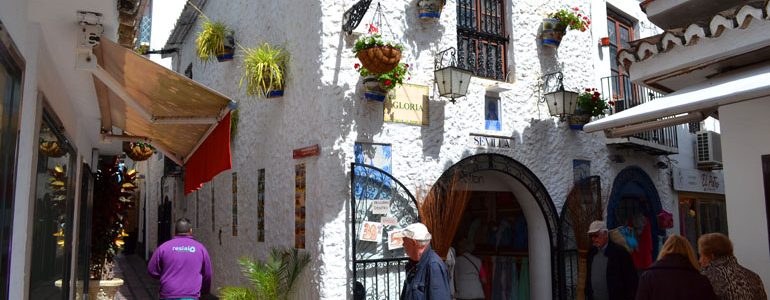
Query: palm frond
{"points": [[236, 293]]}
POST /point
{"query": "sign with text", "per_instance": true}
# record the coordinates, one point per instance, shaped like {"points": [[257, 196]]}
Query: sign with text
{"points": [[691, 180], [408, 106], [490, 141], [380, 207], [306, 152]]}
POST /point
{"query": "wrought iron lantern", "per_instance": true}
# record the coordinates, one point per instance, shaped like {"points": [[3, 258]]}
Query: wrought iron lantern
{"points": [[452, 81], [561, 103]]}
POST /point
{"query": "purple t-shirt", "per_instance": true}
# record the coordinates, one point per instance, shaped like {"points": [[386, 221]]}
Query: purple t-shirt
{"points": [[183, 266]]}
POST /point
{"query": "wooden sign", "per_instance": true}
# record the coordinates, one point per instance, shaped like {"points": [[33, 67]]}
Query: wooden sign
{"points": [[408, 106], [306, 152]]}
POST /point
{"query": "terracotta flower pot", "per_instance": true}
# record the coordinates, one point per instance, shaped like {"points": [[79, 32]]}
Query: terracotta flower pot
{"points": [[379, 60], [552, 33]]}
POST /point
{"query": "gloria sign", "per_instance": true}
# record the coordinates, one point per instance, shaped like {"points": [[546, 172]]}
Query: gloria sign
{"points": [[490, 141], [409, 105], [690, 180]]}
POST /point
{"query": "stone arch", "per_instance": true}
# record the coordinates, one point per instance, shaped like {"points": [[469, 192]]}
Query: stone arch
{"points": [[528, 188]]}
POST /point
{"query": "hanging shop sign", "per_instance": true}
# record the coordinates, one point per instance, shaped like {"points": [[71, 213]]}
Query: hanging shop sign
{"points": [[408, 106], [691, 180], [306, 152], [395, 242], [372, 232], [389, 221], [490, 141]]}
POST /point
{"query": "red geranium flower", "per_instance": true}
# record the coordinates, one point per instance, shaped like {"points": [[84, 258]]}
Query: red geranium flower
{"points": [[576, 8], [388, 82], [357, 65]]}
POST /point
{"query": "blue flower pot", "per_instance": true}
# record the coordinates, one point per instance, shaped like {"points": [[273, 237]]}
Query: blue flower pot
{"points": [[552, 33], [373, 90], [430, 9], [274, 94], [577, 121], [229, 50]]}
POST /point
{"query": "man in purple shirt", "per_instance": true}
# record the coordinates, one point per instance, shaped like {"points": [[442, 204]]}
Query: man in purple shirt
{"points": [[182, 265]]}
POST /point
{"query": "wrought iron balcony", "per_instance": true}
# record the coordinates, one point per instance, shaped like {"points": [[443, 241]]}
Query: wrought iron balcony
{"points": [[626, 95]]}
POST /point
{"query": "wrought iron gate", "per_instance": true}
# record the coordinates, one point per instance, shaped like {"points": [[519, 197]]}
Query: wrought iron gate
{"points": [[378, 266]]}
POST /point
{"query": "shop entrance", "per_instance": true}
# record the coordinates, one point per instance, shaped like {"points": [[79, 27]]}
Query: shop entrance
{"points": [[511, 225], [634, 204]]}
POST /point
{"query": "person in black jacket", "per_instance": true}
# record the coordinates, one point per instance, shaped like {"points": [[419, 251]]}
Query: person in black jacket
{"points": [[675, 275], [611, 273]]}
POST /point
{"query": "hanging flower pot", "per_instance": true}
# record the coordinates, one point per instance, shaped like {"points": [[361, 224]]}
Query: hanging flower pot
{"points": [[228, 51], [376, 55], [377, 86], [264, 70], [430, 9], [589, 104], [140, 151], [51, 149], [552, 33], [373, 90], [579, 119]]}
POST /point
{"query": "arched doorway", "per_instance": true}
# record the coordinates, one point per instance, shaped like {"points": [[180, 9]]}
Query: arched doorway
{"points": [[501, 178], [634, 202]]}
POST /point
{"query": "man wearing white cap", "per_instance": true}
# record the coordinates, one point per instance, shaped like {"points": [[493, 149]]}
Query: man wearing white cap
{"points": [[426, 277], [611, 273]]}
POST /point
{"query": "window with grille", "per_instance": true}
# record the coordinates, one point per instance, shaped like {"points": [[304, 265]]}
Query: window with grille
{"points": [[481, 38]]}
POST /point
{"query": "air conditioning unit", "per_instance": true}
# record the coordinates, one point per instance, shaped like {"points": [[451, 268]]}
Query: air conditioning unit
{"points": [[708, 150]]}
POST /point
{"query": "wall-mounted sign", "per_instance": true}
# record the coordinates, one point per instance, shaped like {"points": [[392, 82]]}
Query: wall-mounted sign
{"points": [[395, 242], [691, 180], [409, 105], [490, 141], [306, 152], [372, 232], [380, 207], [389, 221]]}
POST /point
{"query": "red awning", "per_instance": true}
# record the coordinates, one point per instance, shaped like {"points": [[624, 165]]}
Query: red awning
{"points": [[210, 159]]}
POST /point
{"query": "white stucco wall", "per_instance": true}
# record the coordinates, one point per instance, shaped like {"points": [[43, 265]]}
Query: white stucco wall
{"points": [[744, 140], [323, 105]]}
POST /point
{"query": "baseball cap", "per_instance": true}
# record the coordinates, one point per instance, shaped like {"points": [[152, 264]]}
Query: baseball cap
{"points": [[415, 231], [597, 226]]}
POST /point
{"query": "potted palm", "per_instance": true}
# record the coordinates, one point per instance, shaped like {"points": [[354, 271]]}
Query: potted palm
{"points": [[556, 24], [589, 104], [272, 279], [114, 187], [377, 86], [376, 55], [215, 40], [264, 70]]}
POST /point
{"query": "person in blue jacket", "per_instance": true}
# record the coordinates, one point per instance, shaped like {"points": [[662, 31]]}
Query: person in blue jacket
{"points": [[427, 276]]}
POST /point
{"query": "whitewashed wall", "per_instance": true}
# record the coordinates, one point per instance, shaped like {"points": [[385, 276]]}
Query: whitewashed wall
{"points": [[744, 141], [323, 105]]}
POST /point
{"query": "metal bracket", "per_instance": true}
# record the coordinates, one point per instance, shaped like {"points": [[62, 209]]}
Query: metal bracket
{"points": [[353, 16], [91, 32]]}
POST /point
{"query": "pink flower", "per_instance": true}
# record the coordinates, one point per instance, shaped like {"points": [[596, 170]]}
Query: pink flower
{"points": [[373, 29], [576, 8]]}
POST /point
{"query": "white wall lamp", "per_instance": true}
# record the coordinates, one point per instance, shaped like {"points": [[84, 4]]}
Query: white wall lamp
{"points": [[561, 103], [452, 81]]}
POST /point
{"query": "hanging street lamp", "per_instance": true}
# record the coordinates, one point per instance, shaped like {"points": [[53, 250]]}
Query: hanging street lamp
{"points": [[452, 81], [561, 103]]}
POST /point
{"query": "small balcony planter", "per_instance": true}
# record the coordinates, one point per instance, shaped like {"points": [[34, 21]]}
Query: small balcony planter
{"points": [[556, 24], [376, 55], [589, 104], [215, 40], [264, 70], [378, 86], [430, 10]]}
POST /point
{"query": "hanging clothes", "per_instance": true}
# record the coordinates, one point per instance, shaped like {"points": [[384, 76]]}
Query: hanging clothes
{"points": [[520, 233], [487, 275], [642, 256], [524, 279], [515, 278]]}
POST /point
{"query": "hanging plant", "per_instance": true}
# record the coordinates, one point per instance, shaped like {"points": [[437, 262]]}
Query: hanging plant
{"points": [[556, 24], [51, 148], [379, 85], [430, 9], [263, 71], [140, 151], [215, 40], [377, 56]]}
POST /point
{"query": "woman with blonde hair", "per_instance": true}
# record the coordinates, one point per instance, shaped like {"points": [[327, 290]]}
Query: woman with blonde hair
{"points": [[676, 274]]}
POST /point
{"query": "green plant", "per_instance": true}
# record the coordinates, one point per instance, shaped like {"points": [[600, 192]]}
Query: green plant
{"points": [[272, 279], [590, 102], [374, 40], [573, 18], [113, 195], [211, 39], [389, 80], [263, 69]]}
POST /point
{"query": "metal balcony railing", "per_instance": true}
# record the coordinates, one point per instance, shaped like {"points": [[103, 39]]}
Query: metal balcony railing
{"points": [[626, 95]]}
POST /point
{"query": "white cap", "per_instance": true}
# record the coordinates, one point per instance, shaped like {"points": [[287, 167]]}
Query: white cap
{"points": [[597, 226], [415, 231]]}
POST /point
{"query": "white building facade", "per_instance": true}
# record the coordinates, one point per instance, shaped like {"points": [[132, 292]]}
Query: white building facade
{"points": [[532, 158]]}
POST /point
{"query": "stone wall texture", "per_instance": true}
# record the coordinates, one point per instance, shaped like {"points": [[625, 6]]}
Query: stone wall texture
{"points": [[323, 105]]}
